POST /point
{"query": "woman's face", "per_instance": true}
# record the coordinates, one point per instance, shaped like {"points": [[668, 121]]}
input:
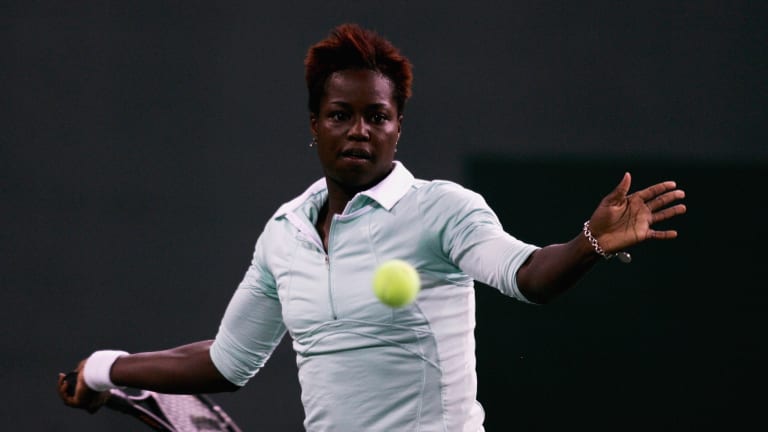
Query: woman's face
{"points": [[357, 128]]}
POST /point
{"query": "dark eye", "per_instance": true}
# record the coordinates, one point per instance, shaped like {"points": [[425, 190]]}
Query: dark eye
{"points": [[338, 116], [378, 118]]}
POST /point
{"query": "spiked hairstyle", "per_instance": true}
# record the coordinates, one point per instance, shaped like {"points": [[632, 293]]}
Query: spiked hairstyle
{"points": [[350, 46]]}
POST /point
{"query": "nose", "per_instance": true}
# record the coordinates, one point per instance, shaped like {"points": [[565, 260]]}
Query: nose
{"points": [[359, 131]]}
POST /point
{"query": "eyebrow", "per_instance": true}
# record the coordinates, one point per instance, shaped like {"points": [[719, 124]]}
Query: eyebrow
{"points": [[371, 106]]}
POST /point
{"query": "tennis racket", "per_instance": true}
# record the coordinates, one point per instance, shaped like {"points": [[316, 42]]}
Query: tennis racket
{"points": [[166, 412]]}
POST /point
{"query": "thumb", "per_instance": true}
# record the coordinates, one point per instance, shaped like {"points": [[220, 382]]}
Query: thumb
{"points": [[619, 194]]}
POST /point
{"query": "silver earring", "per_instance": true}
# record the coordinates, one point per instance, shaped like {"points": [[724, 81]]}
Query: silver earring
{"points": [[313, 142]]}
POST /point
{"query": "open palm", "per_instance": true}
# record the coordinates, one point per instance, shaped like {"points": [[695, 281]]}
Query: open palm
{"points": [[622, 219]]}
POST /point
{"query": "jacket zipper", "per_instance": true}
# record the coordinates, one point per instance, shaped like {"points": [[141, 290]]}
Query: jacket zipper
{"points": [[328, 270]]}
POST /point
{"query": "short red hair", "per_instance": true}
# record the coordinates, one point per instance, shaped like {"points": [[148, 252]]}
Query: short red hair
{"points": [[351, 47]]}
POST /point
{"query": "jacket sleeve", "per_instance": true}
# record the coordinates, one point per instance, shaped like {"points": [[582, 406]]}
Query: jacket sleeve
{"points": [[471, 236], [252, 325]]}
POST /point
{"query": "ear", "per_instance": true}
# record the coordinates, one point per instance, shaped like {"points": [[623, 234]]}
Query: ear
{"points": [[399, 125], [313, 124]]}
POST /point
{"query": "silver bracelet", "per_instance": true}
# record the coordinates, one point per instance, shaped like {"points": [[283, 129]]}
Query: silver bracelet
{"points": [[623, 256]]}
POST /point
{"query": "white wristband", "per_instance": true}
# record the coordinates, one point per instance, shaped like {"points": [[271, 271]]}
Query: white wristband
{"points": [[97, 368]]}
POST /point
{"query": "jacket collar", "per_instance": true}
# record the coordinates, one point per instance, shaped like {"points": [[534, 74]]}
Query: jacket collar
{"points": [[387, 192]]}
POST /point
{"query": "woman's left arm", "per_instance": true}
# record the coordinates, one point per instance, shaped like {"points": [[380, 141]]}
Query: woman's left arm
{"points": [[621, 220]]}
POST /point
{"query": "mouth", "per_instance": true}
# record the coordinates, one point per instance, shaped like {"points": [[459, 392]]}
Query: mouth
{"points": [[356, 154]]}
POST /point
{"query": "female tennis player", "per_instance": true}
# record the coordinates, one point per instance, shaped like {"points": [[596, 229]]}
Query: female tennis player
{"points": [[364, 366]]}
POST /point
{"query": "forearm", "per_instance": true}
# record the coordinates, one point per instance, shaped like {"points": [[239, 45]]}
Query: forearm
{"points": [[187, 369], [553, 269]]}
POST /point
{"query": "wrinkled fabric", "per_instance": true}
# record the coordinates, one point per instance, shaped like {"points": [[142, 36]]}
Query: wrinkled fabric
{"points": [[364, 366]]}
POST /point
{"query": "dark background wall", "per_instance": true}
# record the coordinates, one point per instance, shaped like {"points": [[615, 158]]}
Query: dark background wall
{"points": [[143, 145], [673, 341]]}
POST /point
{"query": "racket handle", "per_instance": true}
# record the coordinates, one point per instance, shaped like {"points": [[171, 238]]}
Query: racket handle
{"points": [[71, 379]]}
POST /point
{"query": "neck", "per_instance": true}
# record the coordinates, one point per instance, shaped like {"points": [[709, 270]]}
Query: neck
{"points": [[339, 196]]}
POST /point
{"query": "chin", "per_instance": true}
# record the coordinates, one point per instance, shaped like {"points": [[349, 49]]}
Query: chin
{"points": [[352, 181], [357, 176]]}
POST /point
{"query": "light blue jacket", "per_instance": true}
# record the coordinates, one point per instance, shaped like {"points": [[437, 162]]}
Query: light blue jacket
{"points": [[364, 366]]}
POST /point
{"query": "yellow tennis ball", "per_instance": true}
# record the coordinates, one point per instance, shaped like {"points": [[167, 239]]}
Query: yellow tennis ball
{"points": [[396, 283]]}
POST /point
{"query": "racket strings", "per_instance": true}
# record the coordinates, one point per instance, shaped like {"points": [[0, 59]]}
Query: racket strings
{"points": [[189, 413]]}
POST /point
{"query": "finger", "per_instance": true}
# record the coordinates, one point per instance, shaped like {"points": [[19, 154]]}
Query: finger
{"points": [[619, 194], [61, 384], [665, 199], [668, 213], [662, 235], [653, 191], [625, 183], [62, 389]]}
